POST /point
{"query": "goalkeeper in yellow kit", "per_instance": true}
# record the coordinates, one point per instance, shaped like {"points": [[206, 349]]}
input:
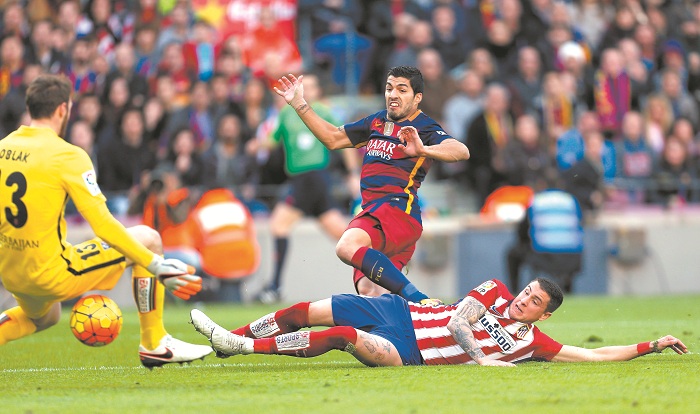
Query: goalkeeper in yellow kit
{"points": [[39, 171]]}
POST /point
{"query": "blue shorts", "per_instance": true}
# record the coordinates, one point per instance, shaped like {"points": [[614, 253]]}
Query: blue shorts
{"points": [[386, 316]]}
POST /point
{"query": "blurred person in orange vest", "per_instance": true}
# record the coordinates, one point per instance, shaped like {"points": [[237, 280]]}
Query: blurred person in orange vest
{"points": [[166, 208]]}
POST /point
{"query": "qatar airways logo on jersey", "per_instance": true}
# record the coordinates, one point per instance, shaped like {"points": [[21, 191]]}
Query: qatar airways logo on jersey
{"points": [[380, 148]]}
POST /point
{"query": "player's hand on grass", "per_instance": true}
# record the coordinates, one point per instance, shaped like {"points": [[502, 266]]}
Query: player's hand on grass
{"points": [[411, 142], [672, 342], [177, 277], [495, 363], [291, 89]]}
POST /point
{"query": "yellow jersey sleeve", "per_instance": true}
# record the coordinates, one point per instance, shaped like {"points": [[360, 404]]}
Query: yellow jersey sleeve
{"points": [[114, 233]]}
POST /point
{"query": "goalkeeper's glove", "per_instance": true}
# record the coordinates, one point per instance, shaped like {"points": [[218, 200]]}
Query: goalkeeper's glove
{"points": [[176, 276]]}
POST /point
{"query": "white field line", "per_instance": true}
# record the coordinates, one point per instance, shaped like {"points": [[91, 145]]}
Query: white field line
{"points": [[174, 365]]}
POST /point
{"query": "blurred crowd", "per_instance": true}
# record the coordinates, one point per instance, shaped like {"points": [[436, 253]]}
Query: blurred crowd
{"points": [[599, 97]]}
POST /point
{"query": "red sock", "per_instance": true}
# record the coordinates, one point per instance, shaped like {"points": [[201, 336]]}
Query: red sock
{"points": [[307, 344], [283, 321], [358, 257]]}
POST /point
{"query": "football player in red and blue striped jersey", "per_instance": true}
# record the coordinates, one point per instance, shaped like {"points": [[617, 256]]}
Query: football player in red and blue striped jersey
{"points": [[401, 143]]}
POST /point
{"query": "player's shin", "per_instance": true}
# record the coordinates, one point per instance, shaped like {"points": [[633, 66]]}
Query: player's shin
{"points": [[283, 321], [308, 344], [149, 295], [15, 324], [380, 270]]}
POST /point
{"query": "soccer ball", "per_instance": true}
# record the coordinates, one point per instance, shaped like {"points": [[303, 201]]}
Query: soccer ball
{"points": [[95, 320]]}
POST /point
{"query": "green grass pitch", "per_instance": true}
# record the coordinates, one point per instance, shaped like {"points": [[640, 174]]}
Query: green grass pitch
{"points": [[51, 372]]}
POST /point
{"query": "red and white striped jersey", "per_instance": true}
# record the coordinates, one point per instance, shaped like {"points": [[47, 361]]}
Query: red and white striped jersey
{"points": [[499, 336]]}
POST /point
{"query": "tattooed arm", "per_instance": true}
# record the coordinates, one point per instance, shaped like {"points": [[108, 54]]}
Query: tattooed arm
{"points": [[292, 90], [460, 326]]}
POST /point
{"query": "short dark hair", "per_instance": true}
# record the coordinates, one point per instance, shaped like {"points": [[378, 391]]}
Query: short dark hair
{"points": [[556, 296], [414, 76], [46, 93]]}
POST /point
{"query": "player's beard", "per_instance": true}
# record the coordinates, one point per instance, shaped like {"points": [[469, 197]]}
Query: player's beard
{"points": [[398, 114], [64, 125]]}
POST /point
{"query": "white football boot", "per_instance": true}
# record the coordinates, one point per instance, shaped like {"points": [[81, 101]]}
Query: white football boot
{"points": [[172, 350], [222, 341]]}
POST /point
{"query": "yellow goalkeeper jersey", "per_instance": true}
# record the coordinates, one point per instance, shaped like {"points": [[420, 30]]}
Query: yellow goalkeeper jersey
{"points": [[38, 172]]}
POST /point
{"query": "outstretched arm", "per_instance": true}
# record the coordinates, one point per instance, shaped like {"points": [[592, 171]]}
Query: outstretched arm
{"points": [[619, 353], [449, 150], [460, 326], [292, 90]]}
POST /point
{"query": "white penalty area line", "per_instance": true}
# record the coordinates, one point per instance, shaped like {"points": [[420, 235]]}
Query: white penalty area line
{"points": [[349, 364]]}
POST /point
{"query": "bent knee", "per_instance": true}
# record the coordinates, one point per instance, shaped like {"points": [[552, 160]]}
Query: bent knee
{"points": [[50, 319], [148, 237]]}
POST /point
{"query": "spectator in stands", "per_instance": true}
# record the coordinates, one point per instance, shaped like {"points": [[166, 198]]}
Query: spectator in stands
{"points": [[682, 104], [199, 50], [635, 159], [172, 63], [230, 65], [488, 135], [536, 20], [638, 69], [68, 19], [221, 102], [622, 26], [179, 29], [122, 161], [145, 57], [185, 158], [12, 105], [511, 14], [155, 122], [80, 69], [482, 62], [466, 104], [683, 129], [569, 147], [14, 21], [526, 83], [439, 86], [647, 40], [674, 175], [555, 109], [41, 50], [266, 39], [419, 38], [658, 117], [613, 92], [591, 18], [526, 159], [100, 20], [502, 45], [198, 116], [118, 98], [324, 14], [89, 110], [227, 164], [254, 106], [448, 40], [390, 24], [124, 67], [82, 135], [556, 37], [11, 64], [584, 180], [146, 12]]}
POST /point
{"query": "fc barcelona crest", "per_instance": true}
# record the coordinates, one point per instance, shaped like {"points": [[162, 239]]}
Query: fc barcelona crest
{"points": [[389, 128]]}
